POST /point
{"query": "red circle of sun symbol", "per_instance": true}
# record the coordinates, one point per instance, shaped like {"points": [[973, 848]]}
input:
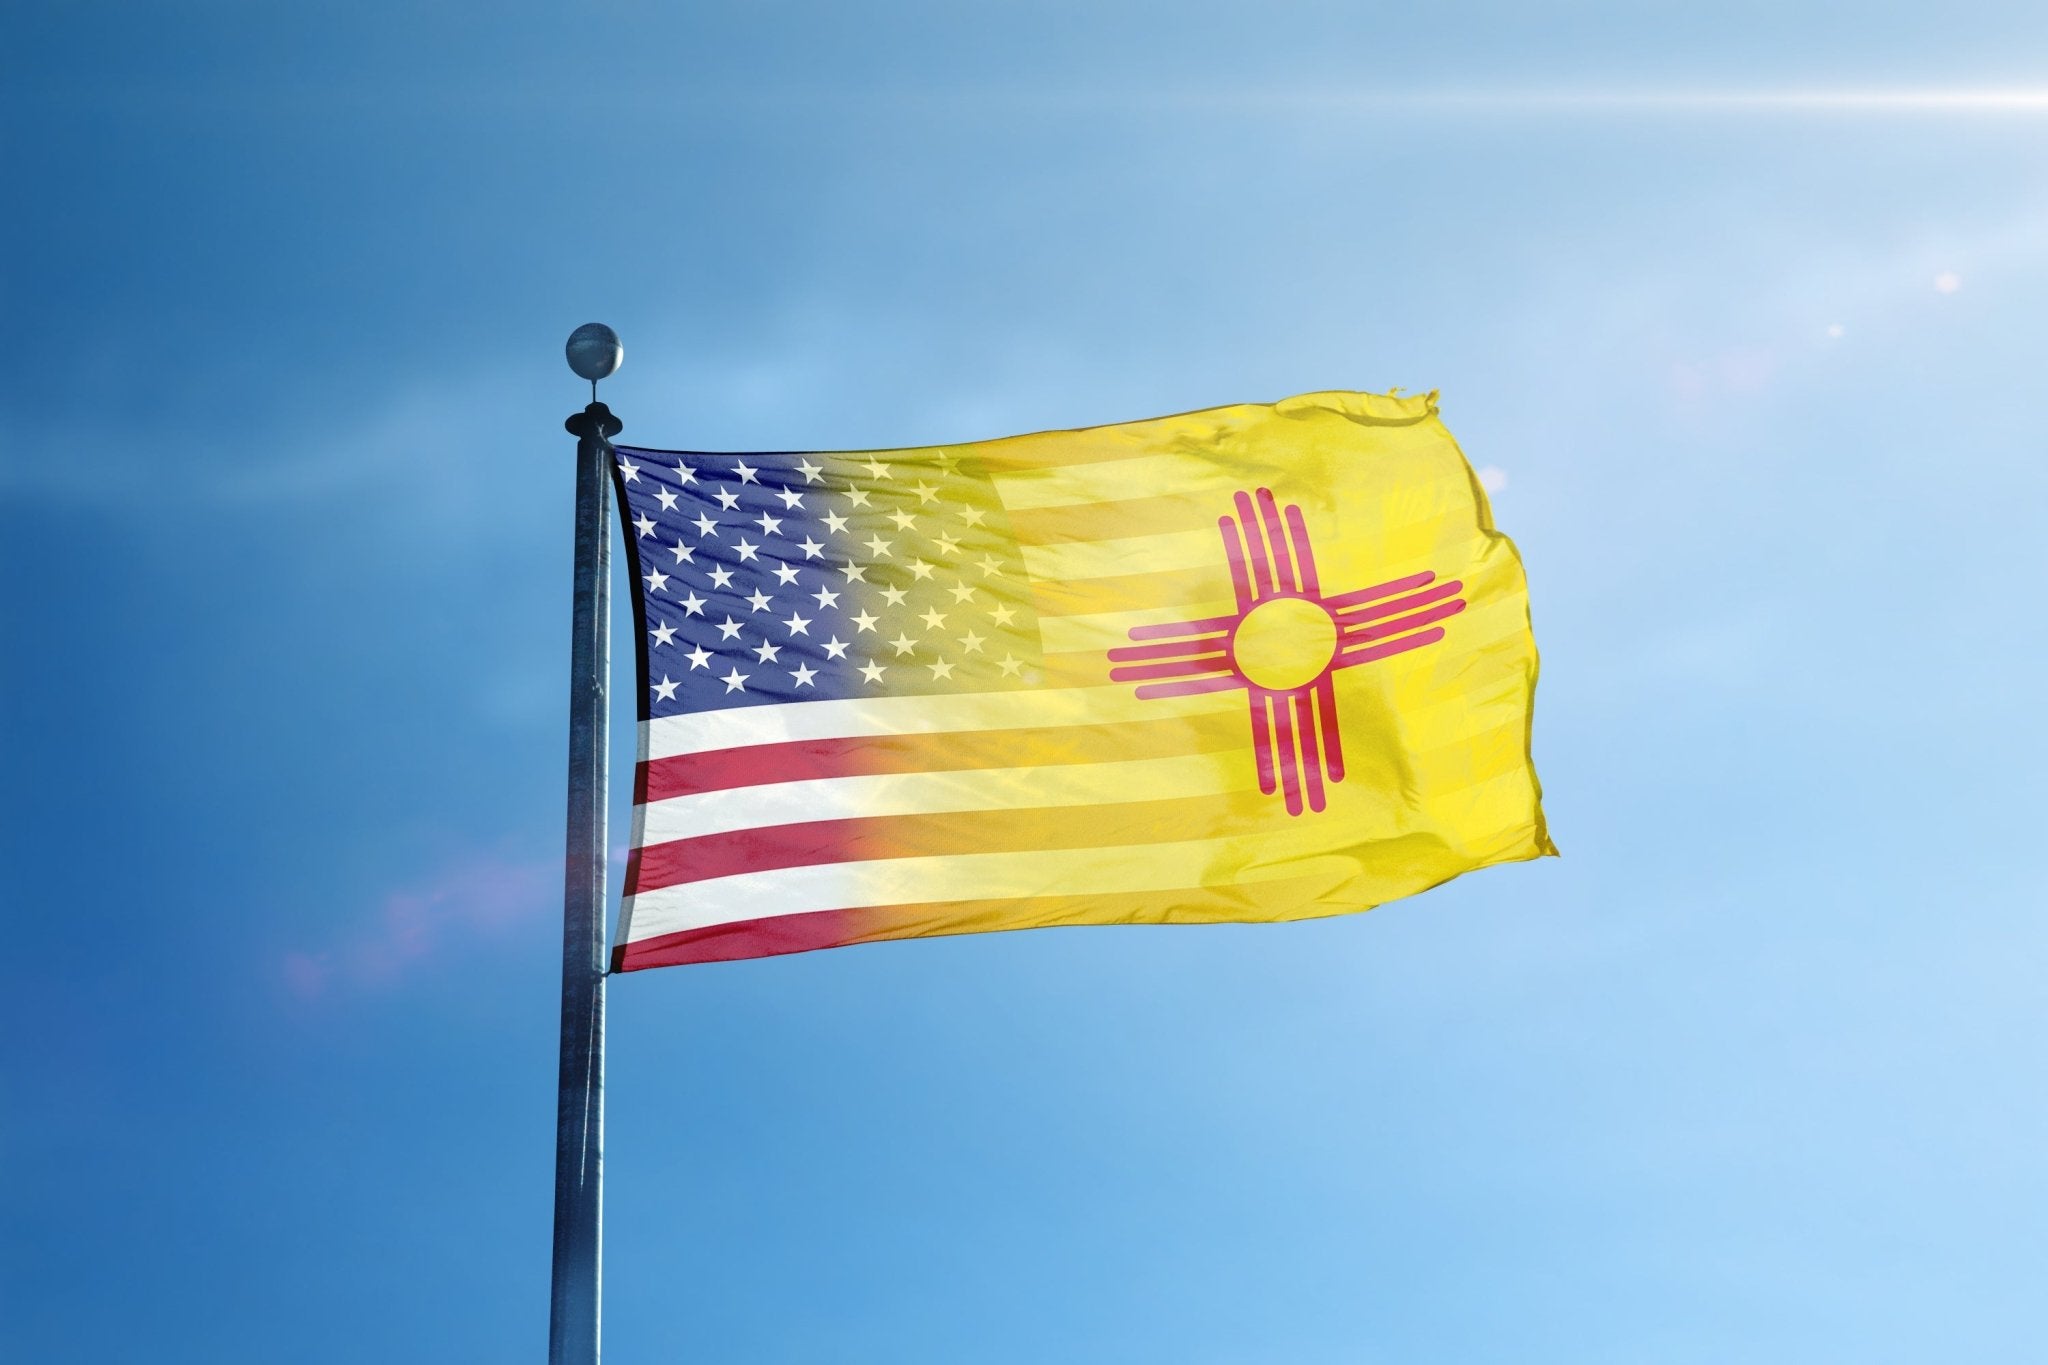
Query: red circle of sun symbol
{"points": [[1284, 645]]}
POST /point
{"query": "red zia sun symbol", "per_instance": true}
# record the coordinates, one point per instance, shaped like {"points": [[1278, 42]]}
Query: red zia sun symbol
{"points": [[1284, 644]]}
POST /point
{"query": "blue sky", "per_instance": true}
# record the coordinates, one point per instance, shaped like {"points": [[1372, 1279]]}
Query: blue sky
{"points": [[1752, 1072]]}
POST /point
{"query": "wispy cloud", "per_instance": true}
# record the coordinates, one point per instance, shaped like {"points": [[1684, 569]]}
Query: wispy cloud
{"points": [[476, 897]]}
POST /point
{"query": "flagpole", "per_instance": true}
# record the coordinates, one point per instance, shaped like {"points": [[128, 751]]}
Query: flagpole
{"points": [[573, 1318]]}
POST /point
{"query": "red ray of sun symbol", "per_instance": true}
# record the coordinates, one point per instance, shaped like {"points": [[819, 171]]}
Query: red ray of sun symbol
{"points": [[1285, 644]]}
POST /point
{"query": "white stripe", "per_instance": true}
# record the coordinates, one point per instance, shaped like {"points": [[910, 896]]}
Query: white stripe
{"points": [[741, 726], [911, 881], [1343, 853], [1163, 553], [967, 789]]}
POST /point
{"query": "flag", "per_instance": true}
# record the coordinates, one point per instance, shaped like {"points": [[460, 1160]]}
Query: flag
{"points": [[1253, 663]]}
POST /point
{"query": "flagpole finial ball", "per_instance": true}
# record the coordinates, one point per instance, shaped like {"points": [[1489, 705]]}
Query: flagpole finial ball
{"points": [[594, 351]]}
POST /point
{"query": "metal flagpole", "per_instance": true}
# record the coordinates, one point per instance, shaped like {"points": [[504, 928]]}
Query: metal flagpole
{"points": [[573, 1317]]}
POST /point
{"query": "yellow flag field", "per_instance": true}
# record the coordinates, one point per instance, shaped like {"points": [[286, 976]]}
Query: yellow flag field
{"points": [[1253, 663]]}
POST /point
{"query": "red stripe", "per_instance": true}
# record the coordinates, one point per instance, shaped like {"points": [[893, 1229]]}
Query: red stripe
{"points": [[1283, 744], [755, 764], [1333, 743], [1389, 649], [1269, 517], [807, 843], [1207, 625], [1305, 557], [749, 938], [1357, 615], [1221, 683], [1262, 742], [1233, 547], [1171, 649], [1255, 543], [1348, 636], [1379, 590], [867, 838], [1194, 667], [940, 751], [1311, 761]]}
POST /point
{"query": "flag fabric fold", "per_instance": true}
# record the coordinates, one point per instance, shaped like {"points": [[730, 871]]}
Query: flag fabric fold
{"points": [[1261, 662]]}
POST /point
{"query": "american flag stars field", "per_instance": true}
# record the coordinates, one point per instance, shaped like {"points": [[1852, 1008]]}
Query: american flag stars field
{"points": [[774, 578]]}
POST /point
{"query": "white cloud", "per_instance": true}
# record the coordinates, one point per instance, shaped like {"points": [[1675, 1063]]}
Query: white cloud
{"points": [[1493, 478]]}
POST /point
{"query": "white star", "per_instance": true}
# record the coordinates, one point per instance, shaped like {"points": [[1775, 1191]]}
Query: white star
{"points": [[797, 625], [667, 499], [745, 471], [864, 621], [803, 675], [876, 468], [684, 554], [947, 545], [835, 523], [925, 492], [791, 499], [921, 570], [693, 605], [727, 498], [825, 597], [1002, 614], [705, 525], [989, 564], [853, 571], [656, 580], [698, 657], [904, 521], [971, 642], [663, 633], [857, 497], [684, 474], [767, 653], [893, 596], [961, 592], [785, 574], [643, 524], [877, 547], [904, 644], [811, 548], [665, 690], [835, 648], [721, 577], [941, 669], [759, 600], [809, 470], [932, 619], [872, 672], [1010, 666], [628, 471], [972, 515], [729, 630], [770, 526], [734, 681], [745, 549]]}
